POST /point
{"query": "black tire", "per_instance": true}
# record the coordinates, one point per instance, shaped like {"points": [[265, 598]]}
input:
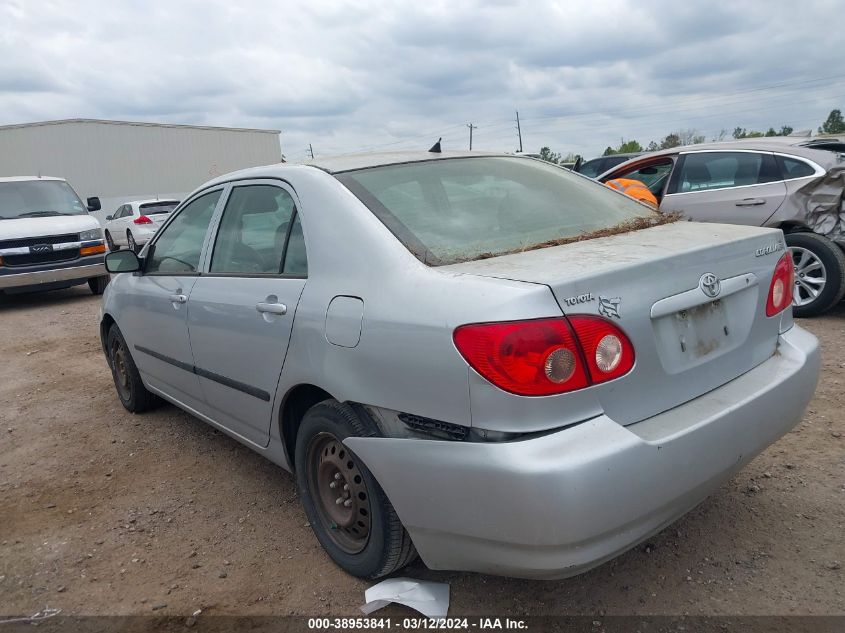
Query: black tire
{"points": [[98, 284], [830, 292], [110, 243], [130, 241], [387, 547], [127, 381]]}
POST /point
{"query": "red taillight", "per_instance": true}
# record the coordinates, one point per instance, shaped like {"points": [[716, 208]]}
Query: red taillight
{"points": [[608, 351], [142, 220], [780, 290], [546, 356]]}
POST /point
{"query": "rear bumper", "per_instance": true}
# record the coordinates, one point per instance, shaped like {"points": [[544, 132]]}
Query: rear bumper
{"points": [[50, 274], [557, 505]]}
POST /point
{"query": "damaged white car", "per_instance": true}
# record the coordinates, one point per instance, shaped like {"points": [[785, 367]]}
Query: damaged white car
{"points": [[484, 359]]}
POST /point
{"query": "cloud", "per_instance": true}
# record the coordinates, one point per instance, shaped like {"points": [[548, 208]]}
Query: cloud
{"points": [[346, 75]]}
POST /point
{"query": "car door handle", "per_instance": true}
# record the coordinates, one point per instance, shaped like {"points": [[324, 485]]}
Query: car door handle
{"points": [[272, 308], [178, 298], [750, 202]]}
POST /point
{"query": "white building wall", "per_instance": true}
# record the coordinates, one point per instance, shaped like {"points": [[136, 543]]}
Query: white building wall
{"points": [[120, 161]]}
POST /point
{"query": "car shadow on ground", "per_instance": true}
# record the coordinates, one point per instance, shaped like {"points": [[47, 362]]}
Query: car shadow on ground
{"points": [[56, 298]]}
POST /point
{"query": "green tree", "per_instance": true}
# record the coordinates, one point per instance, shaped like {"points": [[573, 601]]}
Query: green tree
{"points": [[671, 140], [608, 151], [652, 147], [549, 156], [834, 124], [785, 130]]}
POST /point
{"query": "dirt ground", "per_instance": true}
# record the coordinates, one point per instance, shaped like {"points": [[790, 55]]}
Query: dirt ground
{"points": [[104, 512]]}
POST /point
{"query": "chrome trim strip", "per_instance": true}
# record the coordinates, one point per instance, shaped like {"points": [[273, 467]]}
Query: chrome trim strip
{"points": [[696, 297]]}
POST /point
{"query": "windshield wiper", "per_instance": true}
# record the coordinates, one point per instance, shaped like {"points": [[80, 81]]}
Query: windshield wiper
{"points": [[40, 214]]}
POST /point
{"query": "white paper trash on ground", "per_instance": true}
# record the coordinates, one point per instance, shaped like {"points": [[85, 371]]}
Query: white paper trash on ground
{"points": [[429, 598]]}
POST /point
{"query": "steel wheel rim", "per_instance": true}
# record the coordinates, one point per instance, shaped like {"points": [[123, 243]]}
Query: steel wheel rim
{"points": [[339, 493], [810, 276], [120, 370]]}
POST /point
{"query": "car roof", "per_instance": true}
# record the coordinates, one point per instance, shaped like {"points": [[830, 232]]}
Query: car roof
{"points": [[348, 162], [779, 144], [29, 178]]}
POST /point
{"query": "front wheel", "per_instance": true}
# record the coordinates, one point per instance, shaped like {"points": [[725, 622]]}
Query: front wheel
{"points": [[133, 395], [98, 284], [130, 241], [110, 242], [819, 273], [347, 509]]}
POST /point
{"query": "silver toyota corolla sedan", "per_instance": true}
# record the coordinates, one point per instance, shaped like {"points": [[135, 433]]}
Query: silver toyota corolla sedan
{"points": [[484, 359]]}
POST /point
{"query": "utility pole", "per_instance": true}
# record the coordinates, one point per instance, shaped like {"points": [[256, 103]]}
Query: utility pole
{"points": [[311, 150], [471, 128], [519, 131]]}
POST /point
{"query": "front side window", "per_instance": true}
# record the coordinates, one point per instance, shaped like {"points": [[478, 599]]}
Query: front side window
{"points": [[719, 170], [37, 199], [653, 175], [592, 168], [253, 231], [178, 247], [451, 210]]}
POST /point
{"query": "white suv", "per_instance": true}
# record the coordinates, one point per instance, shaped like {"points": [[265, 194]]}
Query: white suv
{"points": [[47, 239]]}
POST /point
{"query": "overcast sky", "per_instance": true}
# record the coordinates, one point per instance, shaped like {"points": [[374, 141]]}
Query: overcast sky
{"points": [[350, 76]]}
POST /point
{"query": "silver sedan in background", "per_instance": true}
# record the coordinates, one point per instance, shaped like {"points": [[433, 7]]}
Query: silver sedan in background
{"points": [[792, 183], [484, 359]]}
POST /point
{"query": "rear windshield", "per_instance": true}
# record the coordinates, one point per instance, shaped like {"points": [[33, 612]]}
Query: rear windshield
{"points": [[38, 198], [460, 209], [152, 208]]}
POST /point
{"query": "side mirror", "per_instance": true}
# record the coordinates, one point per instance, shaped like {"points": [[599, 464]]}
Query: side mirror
{"points": [[122, 262], [94, 204], [109, 218]]}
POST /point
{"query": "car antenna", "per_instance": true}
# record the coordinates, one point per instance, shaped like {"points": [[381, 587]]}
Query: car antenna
{"points": [[436, 147]]}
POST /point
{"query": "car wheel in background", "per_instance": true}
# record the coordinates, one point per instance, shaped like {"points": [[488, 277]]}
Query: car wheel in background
{"points": [[819, 273], [347, 509], [133, 246], [110, 242], [131, 391], [98, 284]]}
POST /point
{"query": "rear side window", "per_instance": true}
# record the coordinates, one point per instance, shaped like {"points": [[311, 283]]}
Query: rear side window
{"points": [[178, 247], [793, 168], [458, 209], [720, 170]]}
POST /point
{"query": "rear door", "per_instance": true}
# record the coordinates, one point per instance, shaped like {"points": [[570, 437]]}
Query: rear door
{"points": [[736, 187], [155, 319], [241, 310]]}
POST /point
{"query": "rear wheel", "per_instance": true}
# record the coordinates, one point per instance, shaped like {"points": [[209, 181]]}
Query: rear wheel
{"points": [[348, 511], [819, 273], [133, 246], [131, 391], [98, 284]]}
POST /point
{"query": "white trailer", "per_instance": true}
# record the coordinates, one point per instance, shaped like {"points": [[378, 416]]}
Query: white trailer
{"points": [[121, 161]]}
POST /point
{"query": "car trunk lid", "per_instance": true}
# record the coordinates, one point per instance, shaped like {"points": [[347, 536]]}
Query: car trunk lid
{"points": [[656, 284]]}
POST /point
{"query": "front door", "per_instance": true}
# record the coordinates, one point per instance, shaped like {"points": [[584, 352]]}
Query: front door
{"points": [[241, 311], [157, 314], [728, 187]]}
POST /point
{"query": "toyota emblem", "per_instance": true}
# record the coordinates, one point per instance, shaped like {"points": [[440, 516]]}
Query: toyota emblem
{"points": [[710, 285]]}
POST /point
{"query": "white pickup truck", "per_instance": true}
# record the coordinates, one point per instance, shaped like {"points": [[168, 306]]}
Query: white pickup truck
{"points": [[47, 239]]}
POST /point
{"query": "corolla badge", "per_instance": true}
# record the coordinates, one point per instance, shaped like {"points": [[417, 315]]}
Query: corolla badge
{"points": [[610, 306], [710, 285]]}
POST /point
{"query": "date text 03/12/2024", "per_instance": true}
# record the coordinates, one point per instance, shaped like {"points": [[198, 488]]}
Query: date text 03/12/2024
{"points": [[417, 624]]}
